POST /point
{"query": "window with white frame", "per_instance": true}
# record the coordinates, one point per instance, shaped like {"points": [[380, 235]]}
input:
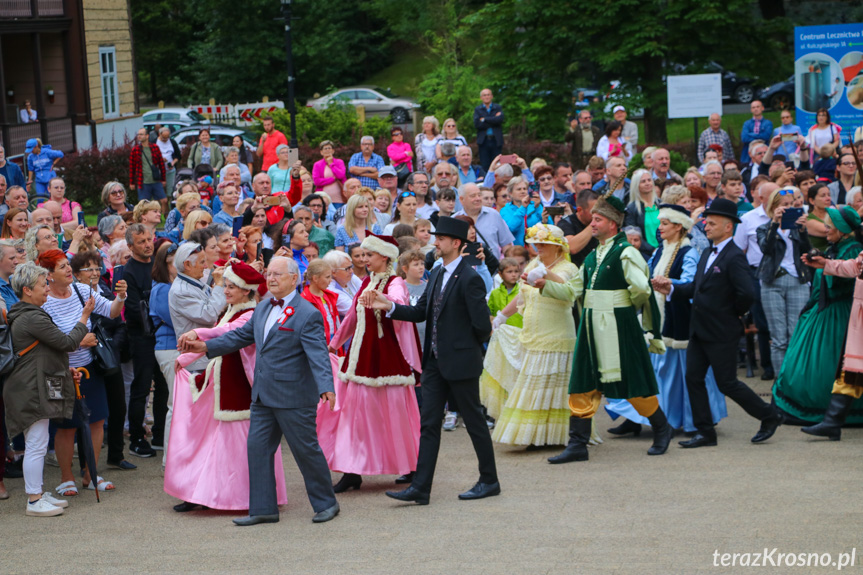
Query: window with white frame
{"points": [[108, 75]]}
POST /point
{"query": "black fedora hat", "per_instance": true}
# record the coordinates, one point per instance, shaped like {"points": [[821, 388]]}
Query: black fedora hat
{"points": [[447, 226], [724, 208]]}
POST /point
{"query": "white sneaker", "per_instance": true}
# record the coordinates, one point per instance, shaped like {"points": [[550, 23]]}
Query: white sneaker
{"points": [[42, 508], [61, 503], [450, 422]]}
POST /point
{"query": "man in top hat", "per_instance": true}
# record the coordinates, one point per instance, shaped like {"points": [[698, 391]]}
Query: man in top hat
{"points": [[456, 313], [721, 293], [611, 357]]}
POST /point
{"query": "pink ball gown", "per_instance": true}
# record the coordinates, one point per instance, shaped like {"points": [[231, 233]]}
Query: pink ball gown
{"points": [[375, 427], [207, 462]]}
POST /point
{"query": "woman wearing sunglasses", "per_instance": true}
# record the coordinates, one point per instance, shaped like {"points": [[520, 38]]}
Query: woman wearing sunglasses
{"points": [[406, 213]]}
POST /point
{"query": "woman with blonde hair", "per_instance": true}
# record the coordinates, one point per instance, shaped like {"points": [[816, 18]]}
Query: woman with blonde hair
{"points": [[643, 210], [449, 134], [425, 144], [358, 213], [148, 212], [318, 276], [15, 224], [186, 202], [195, 221]]}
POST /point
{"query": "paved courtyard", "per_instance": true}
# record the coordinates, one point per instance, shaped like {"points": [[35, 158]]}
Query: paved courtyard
{"points": [[620, 513]]}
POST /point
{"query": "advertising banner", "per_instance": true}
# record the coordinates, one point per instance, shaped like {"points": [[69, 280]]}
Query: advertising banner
{"points": [[828, 74]]}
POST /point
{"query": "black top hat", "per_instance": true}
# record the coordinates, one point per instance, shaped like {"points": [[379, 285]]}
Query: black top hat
{"points": [[447, 226], [724, 208]]}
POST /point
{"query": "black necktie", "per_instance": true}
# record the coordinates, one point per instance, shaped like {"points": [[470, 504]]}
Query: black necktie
{"points": [[277, 302]]}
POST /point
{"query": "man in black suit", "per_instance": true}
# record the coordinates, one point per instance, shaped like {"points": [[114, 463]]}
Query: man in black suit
{"points": [[721, 293], [488, 120], [456, 313]]}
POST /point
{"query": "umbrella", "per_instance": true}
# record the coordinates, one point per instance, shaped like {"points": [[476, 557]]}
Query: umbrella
{"points": [[83, 413]]}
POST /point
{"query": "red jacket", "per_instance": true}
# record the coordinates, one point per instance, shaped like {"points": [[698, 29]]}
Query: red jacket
{"points": [[137, 164], [330, 309]]}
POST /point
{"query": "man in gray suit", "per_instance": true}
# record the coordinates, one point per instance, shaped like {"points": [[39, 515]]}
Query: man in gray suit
{"points": [[292, 373]]}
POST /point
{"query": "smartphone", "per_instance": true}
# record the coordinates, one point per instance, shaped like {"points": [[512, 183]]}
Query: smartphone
{"points": [[272, 200], [790, 217], [237, 225], [508, 159], [790, 164], [81, 221], [470, 252], [555, 210], [317, 217], [118, 273], [789, 137]]}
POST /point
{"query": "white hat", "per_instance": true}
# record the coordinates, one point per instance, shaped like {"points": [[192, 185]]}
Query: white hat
{"points": [[618, 108], [383, 245]]}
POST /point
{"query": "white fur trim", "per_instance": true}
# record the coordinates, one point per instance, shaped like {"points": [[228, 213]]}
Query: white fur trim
{"points": [[377, 282], [232, 277], [381, 247], [675, 217]]}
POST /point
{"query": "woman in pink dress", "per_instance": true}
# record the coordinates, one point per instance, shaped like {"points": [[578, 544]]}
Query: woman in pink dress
{"points": [[207, 464], [328, 174], [377, 422]]}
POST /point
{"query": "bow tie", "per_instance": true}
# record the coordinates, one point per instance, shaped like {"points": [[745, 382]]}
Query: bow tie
{"points": [[277, 302], [712, 250]]}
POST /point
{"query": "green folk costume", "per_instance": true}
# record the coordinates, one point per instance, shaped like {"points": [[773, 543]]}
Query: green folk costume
{"points": [[805, 383], [611, 354]]}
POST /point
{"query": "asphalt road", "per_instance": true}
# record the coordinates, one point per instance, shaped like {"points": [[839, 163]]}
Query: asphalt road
{"points": [[620, 513]]}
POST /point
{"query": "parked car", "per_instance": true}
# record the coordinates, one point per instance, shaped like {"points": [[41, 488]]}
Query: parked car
{"points": [[172, 115], [377, 102], [222, 135], [738, 88], [779, 96]]}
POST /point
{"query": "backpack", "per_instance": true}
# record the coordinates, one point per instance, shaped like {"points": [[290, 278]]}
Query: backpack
{"points": [[8, 357]]}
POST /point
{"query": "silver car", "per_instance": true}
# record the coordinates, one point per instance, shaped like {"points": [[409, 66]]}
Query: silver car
{"points": [[377, 102], [222, 135]]}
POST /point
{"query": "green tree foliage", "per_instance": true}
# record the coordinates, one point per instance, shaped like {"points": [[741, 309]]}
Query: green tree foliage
{"points": [[202, 49], [337, 123]]}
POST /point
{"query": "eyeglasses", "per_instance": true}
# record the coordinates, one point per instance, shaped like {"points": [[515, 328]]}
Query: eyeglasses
{"points": [[407, 195], [847, 164], [117, 192], [347, 269], [545, 179], [274, 275], [89, 270]]}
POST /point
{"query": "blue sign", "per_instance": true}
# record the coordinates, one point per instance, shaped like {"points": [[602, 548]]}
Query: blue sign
{"points": [[828, 74]]}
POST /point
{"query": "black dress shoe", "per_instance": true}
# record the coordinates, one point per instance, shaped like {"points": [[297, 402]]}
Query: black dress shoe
{"points": [[768, 427], [699, 440], [12, 472], [348, 481], [187, 506], [626, 427], [481, 491], [768, 375], [122, 465], [407, 478], [410, 494], [326, 514], [255, 519]]}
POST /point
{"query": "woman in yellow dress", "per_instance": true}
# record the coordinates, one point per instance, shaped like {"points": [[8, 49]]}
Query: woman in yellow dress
{"points": [[525, 382]]}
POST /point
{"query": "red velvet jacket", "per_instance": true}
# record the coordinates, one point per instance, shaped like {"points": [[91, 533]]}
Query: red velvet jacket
{"points": [[330, 309]]}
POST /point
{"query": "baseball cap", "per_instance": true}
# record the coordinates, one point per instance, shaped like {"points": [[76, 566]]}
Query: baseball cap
{"points": [[387, 171], [617, 109]]}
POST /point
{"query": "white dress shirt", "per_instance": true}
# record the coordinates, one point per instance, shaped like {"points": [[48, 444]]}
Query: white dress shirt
{"points": [[746, 236], [710, 259], [277, 312]]}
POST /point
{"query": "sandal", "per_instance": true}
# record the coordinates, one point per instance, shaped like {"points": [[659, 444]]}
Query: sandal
{"points": [[102, 484], [68, 489]]}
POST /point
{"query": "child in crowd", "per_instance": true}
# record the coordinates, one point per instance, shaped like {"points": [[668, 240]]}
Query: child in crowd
{"points": [[312, 251], [412, 270], [732, 187], [826, 165], [402, 231], [500, 297], [445, 203], [422, 232]]}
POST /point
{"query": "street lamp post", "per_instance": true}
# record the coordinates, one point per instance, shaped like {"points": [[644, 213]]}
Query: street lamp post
{"points": [[289, 57]]}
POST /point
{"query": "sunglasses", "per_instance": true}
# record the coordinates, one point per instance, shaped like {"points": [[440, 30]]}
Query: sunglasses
{"points": [[546, 179], [117, 192], [396, 134], [786, 192], [407, 195], [172, 248]]}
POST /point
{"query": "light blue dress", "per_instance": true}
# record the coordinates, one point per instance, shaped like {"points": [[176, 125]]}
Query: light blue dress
{"points": [[670, 369]]}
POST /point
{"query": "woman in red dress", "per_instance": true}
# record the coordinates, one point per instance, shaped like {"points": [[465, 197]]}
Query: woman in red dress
{"points": [[374, 429]]}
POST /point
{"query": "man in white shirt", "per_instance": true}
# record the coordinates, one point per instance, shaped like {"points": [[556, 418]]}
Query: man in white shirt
{"points": [[490, 227], [746, 239]]}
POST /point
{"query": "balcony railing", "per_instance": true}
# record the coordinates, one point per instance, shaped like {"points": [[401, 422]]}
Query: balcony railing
{"points": [[60, 133], [31, 8]]}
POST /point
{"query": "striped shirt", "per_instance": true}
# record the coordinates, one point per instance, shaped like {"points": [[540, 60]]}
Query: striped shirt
{"points": [[66, 313]]}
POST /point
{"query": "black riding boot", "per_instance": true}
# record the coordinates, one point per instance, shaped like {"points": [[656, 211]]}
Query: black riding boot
{"points": [[662, 433], [626, 427], [834, 417], [579, 435]]}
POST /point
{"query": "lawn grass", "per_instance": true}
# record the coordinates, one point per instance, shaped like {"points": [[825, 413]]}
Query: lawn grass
{"points": [[404, 75]]}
